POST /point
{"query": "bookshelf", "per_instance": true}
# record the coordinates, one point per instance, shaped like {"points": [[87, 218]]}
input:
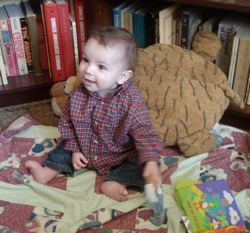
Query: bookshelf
{"points": [[102, 11], [27, 88]]}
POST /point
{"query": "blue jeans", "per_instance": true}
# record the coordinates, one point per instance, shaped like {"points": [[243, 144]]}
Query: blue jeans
{"points": [[128, 173]]}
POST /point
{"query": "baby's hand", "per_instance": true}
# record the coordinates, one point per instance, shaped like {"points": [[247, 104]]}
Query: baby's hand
{"points": [[79, 160], [151, 174]]}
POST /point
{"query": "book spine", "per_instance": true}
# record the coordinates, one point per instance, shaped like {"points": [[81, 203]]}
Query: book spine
{"points": [[19, 45], [66, 38], [81, 25], [127, 21], [3, 70], [32, 27], [177, 36], [8, 48], [225, 33], [156, 29], [196, 18], [139, 31], [154, 26], [185, 30], [242, 67], [233, 61], [26, 43], [42, 42], [75, 43], [54, 41], [116, 18]]}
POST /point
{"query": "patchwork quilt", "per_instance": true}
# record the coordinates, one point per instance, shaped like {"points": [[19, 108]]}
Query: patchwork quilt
{"points": [[76, 204]]}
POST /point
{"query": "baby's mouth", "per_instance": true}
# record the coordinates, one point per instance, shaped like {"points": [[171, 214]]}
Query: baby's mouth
{"points": [[89, 82]]}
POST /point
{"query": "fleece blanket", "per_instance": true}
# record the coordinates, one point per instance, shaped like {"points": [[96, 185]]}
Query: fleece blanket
{"points": [[76, 204]]}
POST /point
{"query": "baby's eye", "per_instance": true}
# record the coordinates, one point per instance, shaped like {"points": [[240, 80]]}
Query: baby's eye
{"points": [[101, 67], [85, 60]]}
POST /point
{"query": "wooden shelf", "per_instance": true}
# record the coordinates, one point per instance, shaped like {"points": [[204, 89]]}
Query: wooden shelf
{"points": [[236, 117], [234, 5], [25, 88]]}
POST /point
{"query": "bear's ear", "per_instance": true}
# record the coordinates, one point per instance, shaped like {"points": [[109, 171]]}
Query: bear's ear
{"points": [[124, 76]]}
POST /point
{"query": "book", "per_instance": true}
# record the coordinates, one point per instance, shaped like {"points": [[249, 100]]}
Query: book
{"points": [[7, 44], [142, 29], [242, 64], [166, 23], [211, 24], [51, 19], [240, 30], [209, 206], [66, 37], [81, 24], [178, 31], [127, 15], [176, 25], [191, 18], [26, 38], [226, 31], [16, 29], [33, 35], [116, 12], [41, 37], [3, 71], [75, 42], [155, 24]]}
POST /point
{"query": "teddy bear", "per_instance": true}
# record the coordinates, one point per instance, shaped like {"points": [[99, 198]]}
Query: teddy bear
{"points": [[186, 93]]}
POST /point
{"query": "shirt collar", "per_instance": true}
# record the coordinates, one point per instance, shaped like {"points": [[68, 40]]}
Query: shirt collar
{"points": [[120, 89]]}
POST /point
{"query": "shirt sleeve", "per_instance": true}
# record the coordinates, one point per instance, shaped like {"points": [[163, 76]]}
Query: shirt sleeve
{"points": [[147, 139], [66, 129]]}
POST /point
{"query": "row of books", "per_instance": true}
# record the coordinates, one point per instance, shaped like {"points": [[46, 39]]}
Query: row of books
{"points": [[173, 23], [42, 35]]}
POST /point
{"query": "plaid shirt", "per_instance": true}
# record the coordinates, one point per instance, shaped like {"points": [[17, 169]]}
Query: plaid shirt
{"points": [[109, 130]]}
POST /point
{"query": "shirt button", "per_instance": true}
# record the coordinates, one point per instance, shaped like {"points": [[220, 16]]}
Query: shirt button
{"points": [[95, 141], [96, 123]]}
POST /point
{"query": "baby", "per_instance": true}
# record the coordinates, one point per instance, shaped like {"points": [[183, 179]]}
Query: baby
{"points": [[106, 124]]}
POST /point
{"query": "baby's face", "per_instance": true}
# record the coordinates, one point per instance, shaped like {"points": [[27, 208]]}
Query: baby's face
{"points": [[102, 66]]}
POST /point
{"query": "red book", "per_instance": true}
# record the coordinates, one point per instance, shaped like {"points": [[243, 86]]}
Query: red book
{"points": [[81, 26], [42, 39], [51, 19], [66, 37]]}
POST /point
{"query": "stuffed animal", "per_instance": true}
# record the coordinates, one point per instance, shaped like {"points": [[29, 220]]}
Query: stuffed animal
{"points": [[185, 93]]}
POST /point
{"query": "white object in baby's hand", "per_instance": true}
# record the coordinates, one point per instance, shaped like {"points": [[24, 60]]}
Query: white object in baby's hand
{"points": [[154, 198]]}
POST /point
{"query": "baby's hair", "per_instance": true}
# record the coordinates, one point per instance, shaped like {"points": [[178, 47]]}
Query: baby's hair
{"points": [[108, 35]]}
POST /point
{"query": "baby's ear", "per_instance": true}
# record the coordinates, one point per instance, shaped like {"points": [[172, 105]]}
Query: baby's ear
{"points": [[126, 75]]}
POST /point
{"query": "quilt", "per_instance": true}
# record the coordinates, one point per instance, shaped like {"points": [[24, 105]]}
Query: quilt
{"points": [[76, 204]]}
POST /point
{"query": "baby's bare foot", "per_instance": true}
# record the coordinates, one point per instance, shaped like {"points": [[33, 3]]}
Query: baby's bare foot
{"points": [[40, 174], [115, 190]]}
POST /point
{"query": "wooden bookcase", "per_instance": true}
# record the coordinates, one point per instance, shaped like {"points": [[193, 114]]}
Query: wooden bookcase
{"points": [[22, 89]]}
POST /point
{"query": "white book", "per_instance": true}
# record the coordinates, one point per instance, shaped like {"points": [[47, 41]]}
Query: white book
{"points": [[234, 53], [242, 65], [226, 31], [4, 80], [75, 44], [14, 15], [166, 23]]}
